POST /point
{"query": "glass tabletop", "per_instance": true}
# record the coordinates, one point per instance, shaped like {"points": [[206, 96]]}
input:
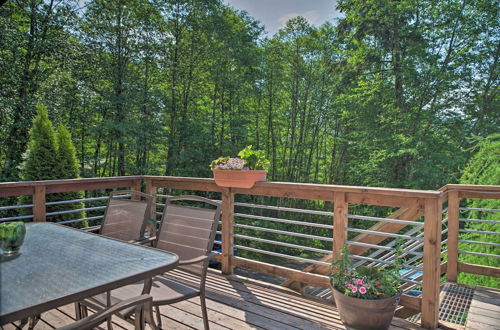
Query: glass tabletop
{"points": [[58, 265]]}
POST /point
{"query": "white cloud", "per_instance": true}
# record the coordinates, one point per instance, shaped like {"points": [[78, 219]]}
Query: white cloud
{"points": [[311, 16]]}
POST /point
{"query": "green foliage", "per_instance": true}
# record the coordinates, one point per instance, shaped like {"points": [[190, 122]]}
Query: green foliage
{"points": [[483, 168], [254, 159], [12, 235], [67, 168], [40, 161], [365, 282], [49, 158]]}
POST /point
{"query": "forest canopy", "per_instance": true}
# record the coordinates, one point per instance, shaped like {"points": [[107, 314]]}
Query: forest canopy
{"points": [[392, 94]]}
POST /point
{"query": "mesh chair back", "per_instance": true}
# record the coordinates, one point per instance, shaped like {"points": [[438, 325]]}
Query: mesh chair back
{"points": [[188, 230], [125, 217]]}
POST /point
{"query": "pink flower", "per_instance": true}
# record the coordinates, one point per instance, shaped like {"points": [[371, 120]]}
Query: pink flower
{"points": [[354, 289], [362, 290]]}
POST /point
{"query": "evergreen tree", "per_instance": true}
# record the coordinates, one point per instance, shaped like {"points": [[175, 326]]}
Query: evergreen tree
{"points": [[67, 168], [483, 169], [40, 159]]}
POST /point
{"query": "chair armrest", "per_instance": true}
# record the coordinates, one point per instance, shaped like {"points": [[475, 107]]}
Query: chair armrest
{"points": [[143, 241], [193, 260], [99, 317]]}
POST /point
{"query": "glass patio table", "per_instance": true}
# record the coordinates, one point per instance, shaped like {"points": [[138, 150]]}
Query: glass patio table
{"points": [[58, 265]]}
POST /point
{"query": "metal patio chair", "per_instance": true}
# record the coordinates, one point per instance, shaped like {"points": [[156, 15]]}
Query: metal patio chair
{"points": [[126, 218], [188, 231], [138, 305]]}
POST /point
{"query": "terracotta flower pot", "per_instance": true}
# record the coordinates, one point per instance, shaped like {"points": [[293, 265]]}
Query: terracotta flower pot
{"points": [[365, 314], [238, 178]]}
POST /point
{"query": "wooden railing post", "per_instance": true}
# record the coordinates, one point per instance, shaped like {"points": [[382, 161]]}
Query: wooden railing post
{"points": [[136, 187], [340, 208], [227, 231], [151, 190], [39, 211], [431, 263], [453, 225]]}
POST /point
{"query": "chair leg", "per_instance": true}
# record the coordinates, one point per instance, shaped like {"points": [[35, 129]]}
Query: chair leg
{"points": [[148, 316], [78, 311], [158, 316], [204, 311], [84, 310], [109, 323], [33, 320]]}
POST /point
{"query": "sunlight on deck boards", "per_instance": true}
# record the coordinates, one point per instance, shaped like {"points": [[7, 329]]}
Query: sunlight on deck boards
{"points": [[484, 312], [233, 304]]}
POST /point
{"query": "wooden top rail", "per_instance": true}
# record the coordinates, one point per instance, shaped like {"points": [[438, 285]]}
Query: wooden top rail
{"points": [[54, 186], [472, 191], [354, 194]]}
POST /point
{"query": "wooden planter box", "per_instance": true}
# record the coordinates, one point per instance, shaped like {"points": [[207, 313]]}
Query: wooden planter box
{"points": [[238, 178]]}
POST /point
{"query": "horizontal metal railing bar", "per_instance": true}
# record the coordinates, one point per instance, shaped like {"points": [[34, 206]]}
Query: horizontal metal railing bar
{"points": [[381, 261], [478, 242], [366, 231], [294, 246], [478, 209], [276, 254], [12, 207], [479, 254], [479, 232], [80, 220], [166, 196], [382, 247], [364, 217], [98, 227], [280, 208], [479, 220], [409, 280], [19, 217], [77, 210], [407, 245], [290, 233], [293, 222], [80, 200]]}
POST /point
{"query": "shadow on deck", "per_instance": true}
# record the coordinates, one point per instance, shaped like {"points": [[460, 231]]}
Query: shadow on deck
{"points": [[233, 303]]}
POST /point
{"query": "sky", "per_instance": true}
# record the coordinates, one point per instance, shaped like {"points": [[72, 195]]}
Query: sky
{"points": [[273, 14]]}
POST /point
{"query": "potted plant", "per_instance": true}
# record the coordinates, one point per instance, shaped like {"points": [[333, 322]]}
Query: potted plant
{"points": [[11, 237], [240, 172], [366, 297]]}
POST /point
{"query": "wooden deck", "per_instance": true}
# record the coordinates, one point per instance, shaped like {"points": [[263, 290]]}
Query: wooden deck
{"points": [[233, 304], [484, 312]]}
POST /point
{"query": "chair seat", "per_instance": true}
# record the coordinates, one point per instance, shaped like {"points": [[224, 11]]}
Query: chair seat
{"points": [[163, 290]]}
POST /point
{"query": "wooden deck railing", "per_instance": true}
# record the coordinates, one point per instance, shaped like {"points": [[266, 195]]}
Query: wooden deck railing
{"points": [[421, 211]]}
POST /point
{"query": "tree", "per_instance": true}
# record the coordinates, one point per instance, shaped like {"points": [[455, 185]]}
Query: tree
{"points": [[33, 41], [483, 168], [40, 161], [67, 168], [49, 157]]}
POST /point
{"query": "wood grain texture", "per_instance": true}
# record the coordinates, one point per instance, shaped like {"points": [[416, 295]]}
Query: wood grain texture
{"points": [[431, 263], [232, 303], [453, 226], [227, 230], [39, 209], [478, 269]]}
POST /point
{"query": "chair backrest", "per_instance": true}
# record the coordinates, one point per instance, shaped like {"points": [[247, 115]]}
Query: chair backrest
{"points": [[188, 230], [126, 217]]}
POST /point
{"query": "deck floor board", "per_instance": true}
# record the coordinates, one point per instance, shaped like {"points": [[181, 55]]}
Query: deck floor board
{"points": [[232, 304], [484, 312]]}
